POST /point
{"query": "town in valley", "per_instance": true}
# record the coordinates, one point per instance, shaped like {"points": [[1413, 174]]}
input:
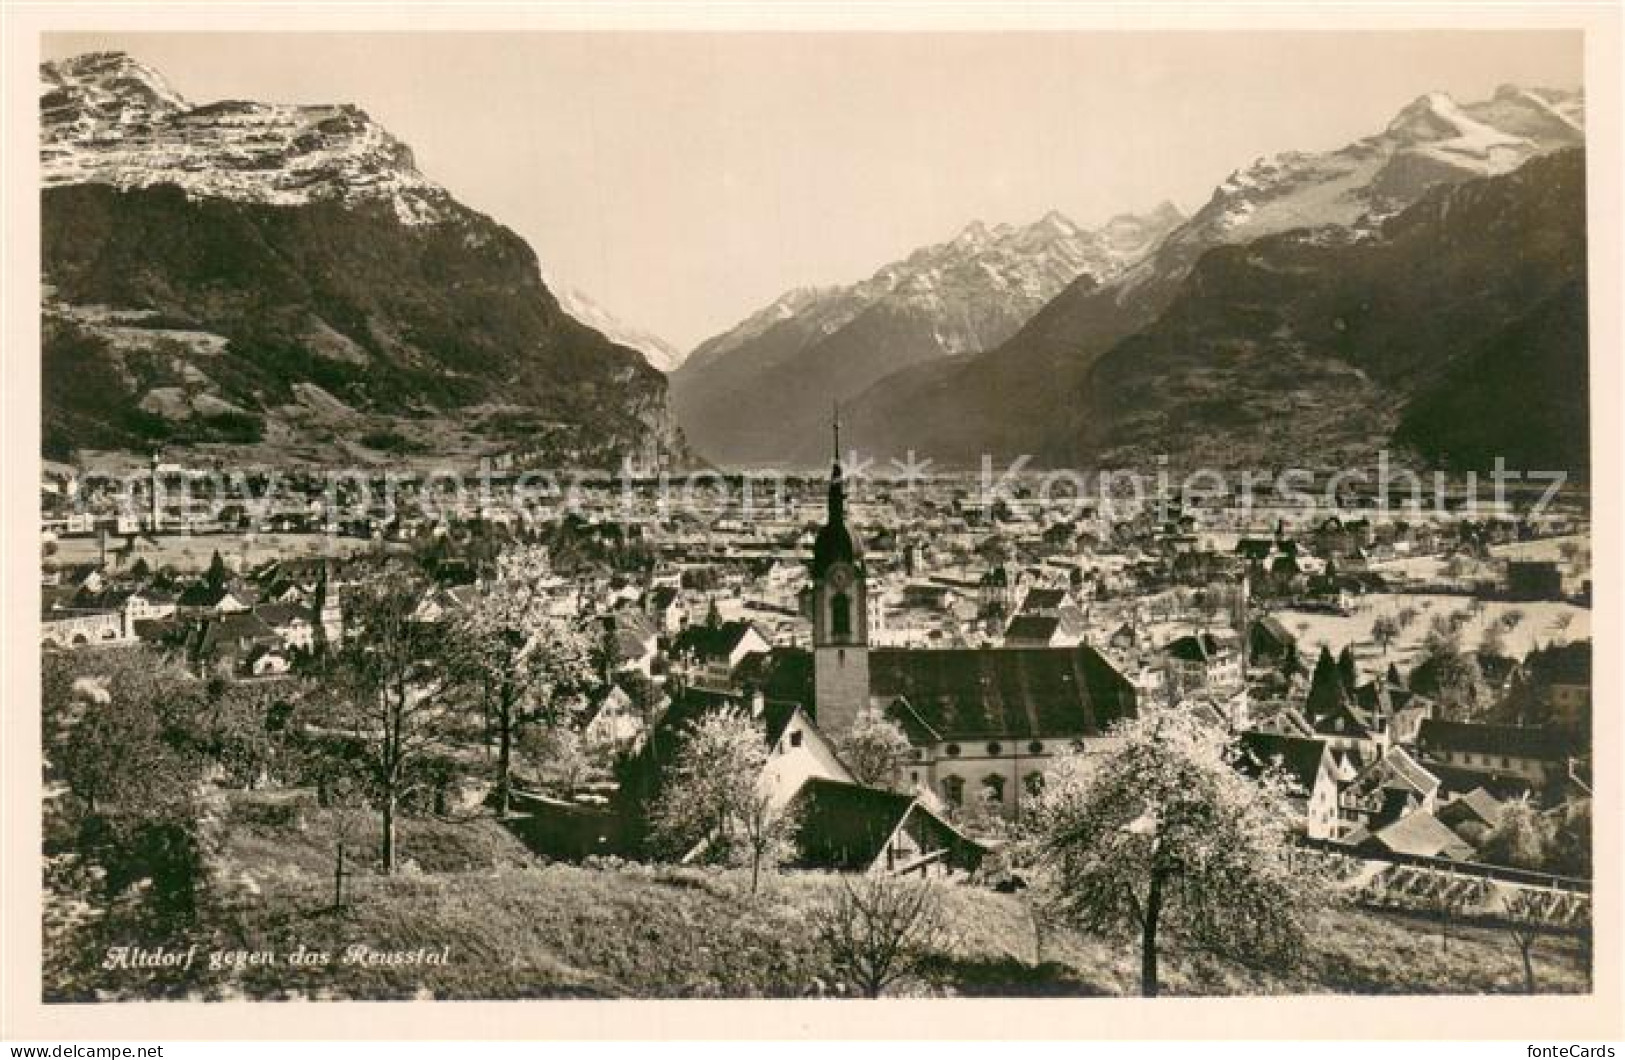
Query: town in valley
{"points": [[380, 661]]}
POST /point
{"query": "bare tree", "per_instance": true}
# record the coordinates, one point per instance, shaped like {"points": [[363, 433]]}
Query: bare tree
{"points": [[881, 930], [767, 836], [1385, 630], [390, 688], [1448, 902], [1521, 912]]}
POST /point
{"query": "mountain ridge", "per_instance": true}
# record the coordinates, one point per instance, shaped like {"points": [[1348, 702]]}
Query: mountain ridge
{"points": [[755, 392], [1020, 397], [282, 283]]}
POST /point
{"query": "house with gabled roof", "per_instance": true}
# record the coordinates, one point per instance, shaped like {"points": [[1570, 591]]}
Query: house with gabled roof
{"points": [[1418, 834], [1284, 721], [203, 598], [233, 639], [613, 724], [1204, 662], [1269, 644], [1472, 815], [847, 827], [1046, 600], [442, 601], [1561, 675], [294, 624], [667, 608], [840, 825], [717, 649], [1308, 764], [1039, 631], [1532, 754], [632, 637], [1393, 786]]}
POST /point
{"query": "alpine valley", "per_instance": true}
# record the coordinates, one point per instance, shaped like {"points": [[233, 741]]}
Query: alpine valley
{"points": [[276, 280], [761, 392], [1318, 307], [1228, 344]]}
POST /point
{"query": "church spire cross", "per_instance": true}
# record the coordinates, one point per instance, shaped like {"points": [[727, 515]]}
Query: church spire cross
{"points": [[837, 474], [836, 423]]}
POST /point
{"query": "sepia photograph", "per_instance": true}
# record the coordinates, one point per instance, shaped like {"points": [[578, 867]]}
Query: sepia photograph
{"points": [[706, 512]]}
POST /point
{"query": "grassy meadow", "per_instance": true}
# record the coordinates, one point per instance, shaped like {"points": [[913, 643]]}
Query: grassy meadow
{"points": [[510, 926]]}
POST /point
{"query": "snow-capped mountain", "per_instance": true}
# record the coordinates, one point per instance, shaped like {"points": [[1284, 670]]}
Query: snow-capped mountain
{"points": [[976, 282], [751, 393], [1432, 140], [1024, 395], [1005, 272], [281, 279], [800, 302], [107, 119], [580, 305]]}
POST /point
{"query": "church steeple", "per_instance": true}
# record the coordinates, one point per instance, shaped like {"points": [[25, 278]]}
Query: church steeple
{"points": [[840, 609], [837, 474], [836, 543]]}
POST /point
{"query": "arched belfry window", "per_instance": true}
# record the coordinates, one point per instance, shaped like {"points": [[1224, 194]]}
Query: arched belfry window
{"points": [[840, 615]]}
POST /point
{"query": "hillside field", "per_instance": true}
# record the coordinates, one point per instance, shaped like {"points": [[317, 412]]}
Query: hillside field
{"points": [[509, 926]]}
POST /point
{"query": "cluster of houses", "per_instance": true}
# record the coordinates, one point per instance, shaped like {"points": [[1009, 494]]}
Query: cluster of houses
{"points": [[1378, 765], [247, 625], [990, 666], [1384, 771]]}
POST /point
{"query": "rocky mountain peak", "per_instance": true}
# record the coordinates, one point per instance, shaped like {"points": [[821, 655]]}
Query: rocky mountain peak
{"points": [[1432, 140], [102, 89], [1059, 223], [1430, 116], [108, 119], [760, 390], [308, 258], [974, 234], [1008, 399], [584, 308]]}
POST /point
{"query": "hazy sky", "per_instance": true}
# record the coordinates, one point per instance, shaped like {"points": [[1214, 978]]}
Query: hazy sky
{"points": [[685, 180]]}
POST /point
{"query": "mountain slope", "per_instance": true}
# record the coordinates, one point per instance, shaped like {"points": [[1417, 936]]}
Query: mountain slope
{"points": [[282, 281], [1021, 398], [762, 391], [581, 306], [1457, 330]]}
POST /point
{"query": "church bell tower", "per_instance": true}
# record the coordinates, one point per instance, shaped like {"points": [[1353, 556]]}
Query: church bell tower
{"points": [[840, 612]]}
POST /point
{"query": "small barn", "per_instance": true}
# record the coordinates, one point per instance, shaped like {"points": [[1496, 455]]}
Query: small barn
{"points": [[851, 828]]}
